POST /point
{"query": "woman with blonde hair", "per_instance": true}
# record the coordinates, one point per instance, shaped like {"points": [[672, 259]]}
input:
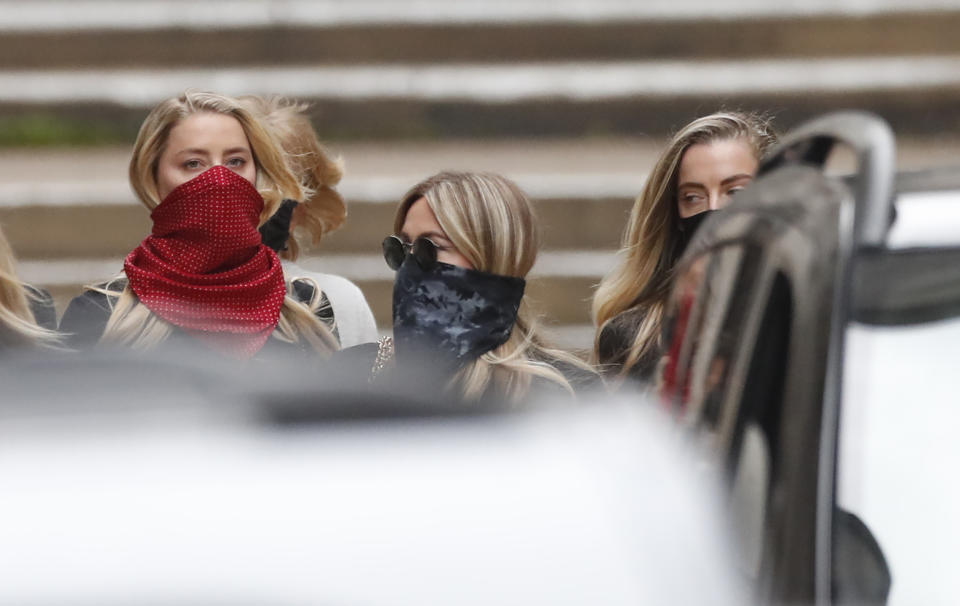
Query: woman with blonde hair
{"points": [[27, 316], [320, 211], [210, 174], [463, 244], [705, 164]]}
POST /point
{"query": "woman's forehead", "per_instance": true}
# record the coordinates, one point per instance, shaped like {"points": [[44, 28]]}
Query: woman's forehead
{"points": [[207, 130], [717, 160], [420, 219]]}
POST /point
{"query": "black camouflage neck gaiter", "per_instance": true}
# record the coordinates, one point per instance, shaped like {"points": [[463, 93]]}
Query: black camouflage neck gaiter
{"points": [[450, 315]]}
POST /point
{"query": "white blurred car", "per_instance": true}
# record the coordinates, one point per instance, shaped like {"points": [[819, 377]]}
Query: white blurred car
{"points": [[173, 481]]}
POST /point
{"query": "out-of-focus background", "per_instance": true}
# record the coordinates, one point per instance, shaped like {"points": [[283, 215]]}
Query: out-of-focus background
{"points": [[571, 98]]}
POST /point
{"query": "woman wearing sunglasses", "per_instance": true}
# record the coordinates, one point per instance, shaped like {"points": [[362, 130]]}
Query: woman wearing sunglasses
{"points": [[462, 245]]}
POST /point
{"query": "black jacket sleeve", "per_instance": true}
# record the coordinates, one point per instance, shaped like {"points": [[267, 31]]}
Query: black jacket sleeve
{"points": [[615, 342], [85, 319], [41, 304], [303, 291]]}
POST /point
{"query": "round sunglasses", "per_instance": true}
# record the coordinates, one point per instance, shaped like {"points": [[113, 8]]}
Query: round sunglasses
{"points": [[423, 249]]}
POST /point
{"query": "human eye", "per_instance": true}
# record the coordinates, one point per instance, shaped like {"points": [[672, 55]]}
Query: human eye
{"points": [[192, 164], [236, 162], [738, 186], [691, 198], [440, 243]]}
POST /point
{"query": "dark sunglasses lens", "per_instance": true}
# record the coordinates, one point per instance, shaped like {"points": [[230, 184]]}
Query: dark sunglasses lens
{"points": [[425, 252], [393, 252]]}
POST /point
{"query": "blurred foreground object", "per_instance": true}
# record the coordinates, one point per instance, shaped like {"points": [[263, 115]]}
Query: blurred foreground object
{"points": [[179, 480]]}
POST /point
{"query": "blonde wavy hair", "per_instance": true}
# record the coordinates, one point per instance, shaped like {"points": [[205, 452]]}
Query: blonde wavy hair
{"points": [[649, 248], [491, 222], [18, 326], [321, 209], [133, 324]]}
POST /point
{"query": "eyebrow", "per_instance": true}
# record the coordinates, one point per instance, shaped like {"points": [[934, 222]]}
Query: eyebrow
{"points": [[433, 235], [726, 181], [203, 152], [736, 178], [194, 150]]}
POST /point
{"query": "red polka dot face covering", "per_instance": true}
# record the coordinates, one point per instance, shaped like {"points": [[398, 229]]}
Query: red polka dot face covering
{"points": [[203, 267]]}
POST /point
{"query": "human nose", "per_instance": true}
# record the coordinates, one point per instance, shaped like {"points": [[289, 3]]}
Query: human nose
{"points": [[718, 200]]}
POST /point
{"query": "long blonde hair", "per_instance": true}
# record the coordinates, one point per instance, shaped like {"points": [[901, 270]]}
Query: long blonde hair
{"points": [[132, 323], [321, 209], [649, 247], [491, 222], [18, 326]]}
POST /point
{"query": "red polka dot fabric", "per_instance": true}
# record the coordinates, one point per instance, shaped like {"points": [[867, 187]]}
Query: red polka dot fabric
{"points": [[204, 268]]}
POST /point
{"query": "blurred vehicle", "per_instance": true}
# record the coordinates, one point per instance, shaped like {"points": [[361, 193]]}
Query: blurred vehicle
{"points": [[814, 333], [132, 479]]}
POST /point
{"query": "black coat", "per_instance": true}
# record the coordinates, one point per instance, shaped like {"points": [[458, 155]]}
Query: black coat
{"points": [[85, 318], [614, 344], [41, 304], [358, 362]]}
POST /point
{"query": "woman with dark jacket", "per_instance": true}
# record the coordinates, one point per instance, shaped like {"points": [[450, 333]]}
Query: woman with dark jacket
{"points": [[211, 174], [462, 246], [703, 167]]}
